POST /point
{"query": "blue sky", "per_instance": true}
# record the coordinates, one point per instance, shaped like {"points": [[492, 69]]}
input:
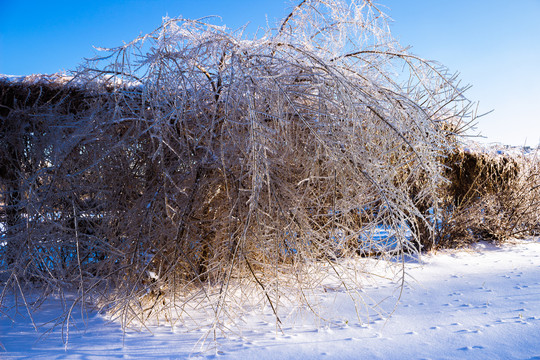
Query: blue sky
{"points": [[494, 44]]}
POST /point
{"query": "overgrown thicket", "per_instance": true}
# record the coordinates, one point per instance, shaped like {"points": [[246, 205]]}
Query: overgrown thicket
{"points": [[196, 170], [492, 196]]}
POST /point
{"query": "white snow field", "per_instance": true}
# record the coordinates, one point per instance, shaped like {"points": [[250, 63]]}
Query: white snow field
{"points": [[480, 303]]}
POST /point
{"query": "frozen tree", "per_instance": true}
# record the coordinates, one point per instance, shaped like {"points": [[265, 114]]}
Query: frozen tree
{"points": [[225, 169]]}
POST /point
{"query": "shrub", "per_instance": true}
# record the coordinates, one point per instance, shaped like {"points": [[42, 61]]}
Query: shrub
{"points": [[491, 196], [201, 167]]}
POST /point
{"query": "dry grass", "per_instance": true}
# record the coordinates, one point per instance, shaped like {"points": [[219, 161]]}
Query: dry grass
{"points": [[490, 197]]}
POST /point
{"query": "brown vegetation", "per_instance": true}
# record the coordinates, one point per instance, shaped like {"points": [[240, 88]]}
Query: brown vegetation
{"points": [[489, 197], [218, 171]]}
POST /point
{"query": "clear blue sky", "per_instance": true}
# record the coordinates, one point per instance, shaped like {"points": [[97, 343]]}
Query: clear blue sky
{"points": [[494, 44]]}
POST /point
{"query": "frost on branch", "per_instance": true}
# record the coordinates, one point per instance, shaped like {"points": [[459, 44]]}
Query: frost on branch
{"points": [[225, 170]]}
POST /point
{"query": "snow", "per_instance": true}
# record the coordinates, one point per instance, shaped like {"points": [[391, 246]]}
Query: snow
{"points": [[498, 149], [37, 79], [63, 79], [481, 303]]}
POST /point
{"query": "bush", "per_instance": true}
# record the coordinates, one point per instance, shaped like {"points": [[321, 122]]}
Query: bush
{"points": [[201, 165], [491, 196]]}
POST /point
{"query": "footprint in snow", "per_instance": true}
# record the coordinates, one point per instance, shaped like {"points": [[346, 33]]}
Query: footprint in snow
{"points": [[466, 348]]}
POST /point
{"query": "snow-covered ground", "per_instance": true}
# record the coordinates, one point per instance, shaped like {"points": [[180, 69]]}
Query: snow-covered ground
{"points": [[481, 303]]}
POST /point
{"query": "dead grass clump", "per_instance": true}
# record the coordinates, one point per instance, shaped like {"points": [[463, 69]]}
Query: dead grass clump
{"points": [[202, 164], [491, 196]]}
